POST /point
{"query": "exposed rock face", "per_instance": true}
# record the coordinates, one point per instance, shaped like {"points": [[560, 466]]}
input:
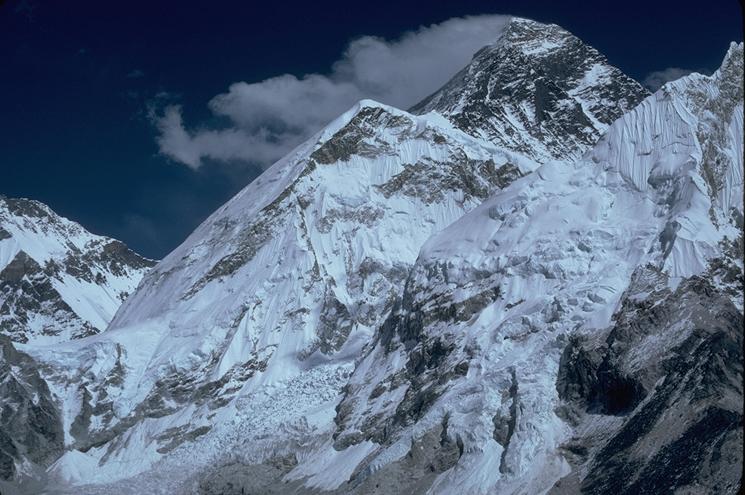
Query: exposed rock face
{"points": [[537, 90], [671, 368], [31, 302], [31, 432], [57, 281]]}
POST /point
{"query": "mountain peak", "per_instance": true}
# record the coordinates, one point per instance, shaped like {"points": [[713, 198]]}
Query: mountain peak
{"points": [[57, 280], [538, 90], [291, 276], [396, 298], [734, 53], [476, 340], [732, 65], [534, 38]]}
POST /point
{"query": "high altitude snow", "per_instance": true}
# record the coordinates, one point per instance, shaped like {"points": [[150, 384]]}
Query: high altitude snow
{"points": [[553, 254], [538, 90], [391, 306]]}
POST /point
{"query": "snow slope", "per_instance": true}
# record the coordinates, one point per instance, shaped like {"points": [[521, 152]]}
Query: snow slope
{"points": [[387, 306], [294, 273]]}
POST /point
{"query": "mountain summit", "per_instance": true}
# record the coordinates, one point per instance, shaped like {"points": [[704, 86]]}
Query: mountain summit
{"points": [[551, 333], [538, 90], [287, 282]]}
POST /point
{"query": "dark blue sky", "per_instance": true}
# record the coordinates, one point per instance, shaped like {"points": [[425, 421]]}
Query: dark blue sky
{"points": [[77, 76]]}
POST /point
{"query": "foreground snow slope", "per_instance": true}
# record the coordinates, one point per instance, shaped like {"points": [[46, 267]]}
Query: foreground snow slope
{"points": [[57, 280]]}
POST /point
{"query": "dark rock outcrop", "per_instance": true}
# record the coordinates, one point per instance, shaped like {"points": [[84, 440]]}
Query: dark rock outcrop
{"points": [[30, 425], [672, 367]]}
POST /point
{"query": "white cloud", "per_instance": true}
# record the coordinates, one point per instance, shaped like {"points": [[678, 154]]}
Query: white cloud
{"points": [[269, 118], [656, 79], [234, 143]]}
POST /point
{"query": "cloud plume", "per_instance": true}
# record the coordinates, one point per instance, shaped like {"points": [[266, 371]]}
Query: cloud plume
{"points": [[269, 118], [654, 80]]}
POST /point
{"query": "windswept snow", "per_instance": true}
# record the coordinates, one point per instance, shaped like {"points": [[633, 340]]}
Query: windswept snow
{"points": [[494, 296], [291, 276]]}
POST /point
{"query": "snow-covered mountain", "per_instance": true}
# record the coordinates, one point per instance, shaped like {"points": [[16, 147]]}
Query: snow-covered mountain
{"points": [[57, 280], [481, 300], [555, 332], [292, 276], [538, 90], [288, 280]]}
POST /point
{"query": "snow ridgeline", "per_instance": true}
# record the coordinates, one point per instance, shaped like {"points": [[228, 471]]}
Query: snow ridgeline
{"points": [[292, 275]]}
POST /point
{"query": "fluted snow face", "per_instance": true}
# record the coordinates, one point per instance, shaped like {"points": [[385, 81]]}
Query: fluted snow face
{"points": [[684, 146], [57, 280], [537, 90], [328, 232]]}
